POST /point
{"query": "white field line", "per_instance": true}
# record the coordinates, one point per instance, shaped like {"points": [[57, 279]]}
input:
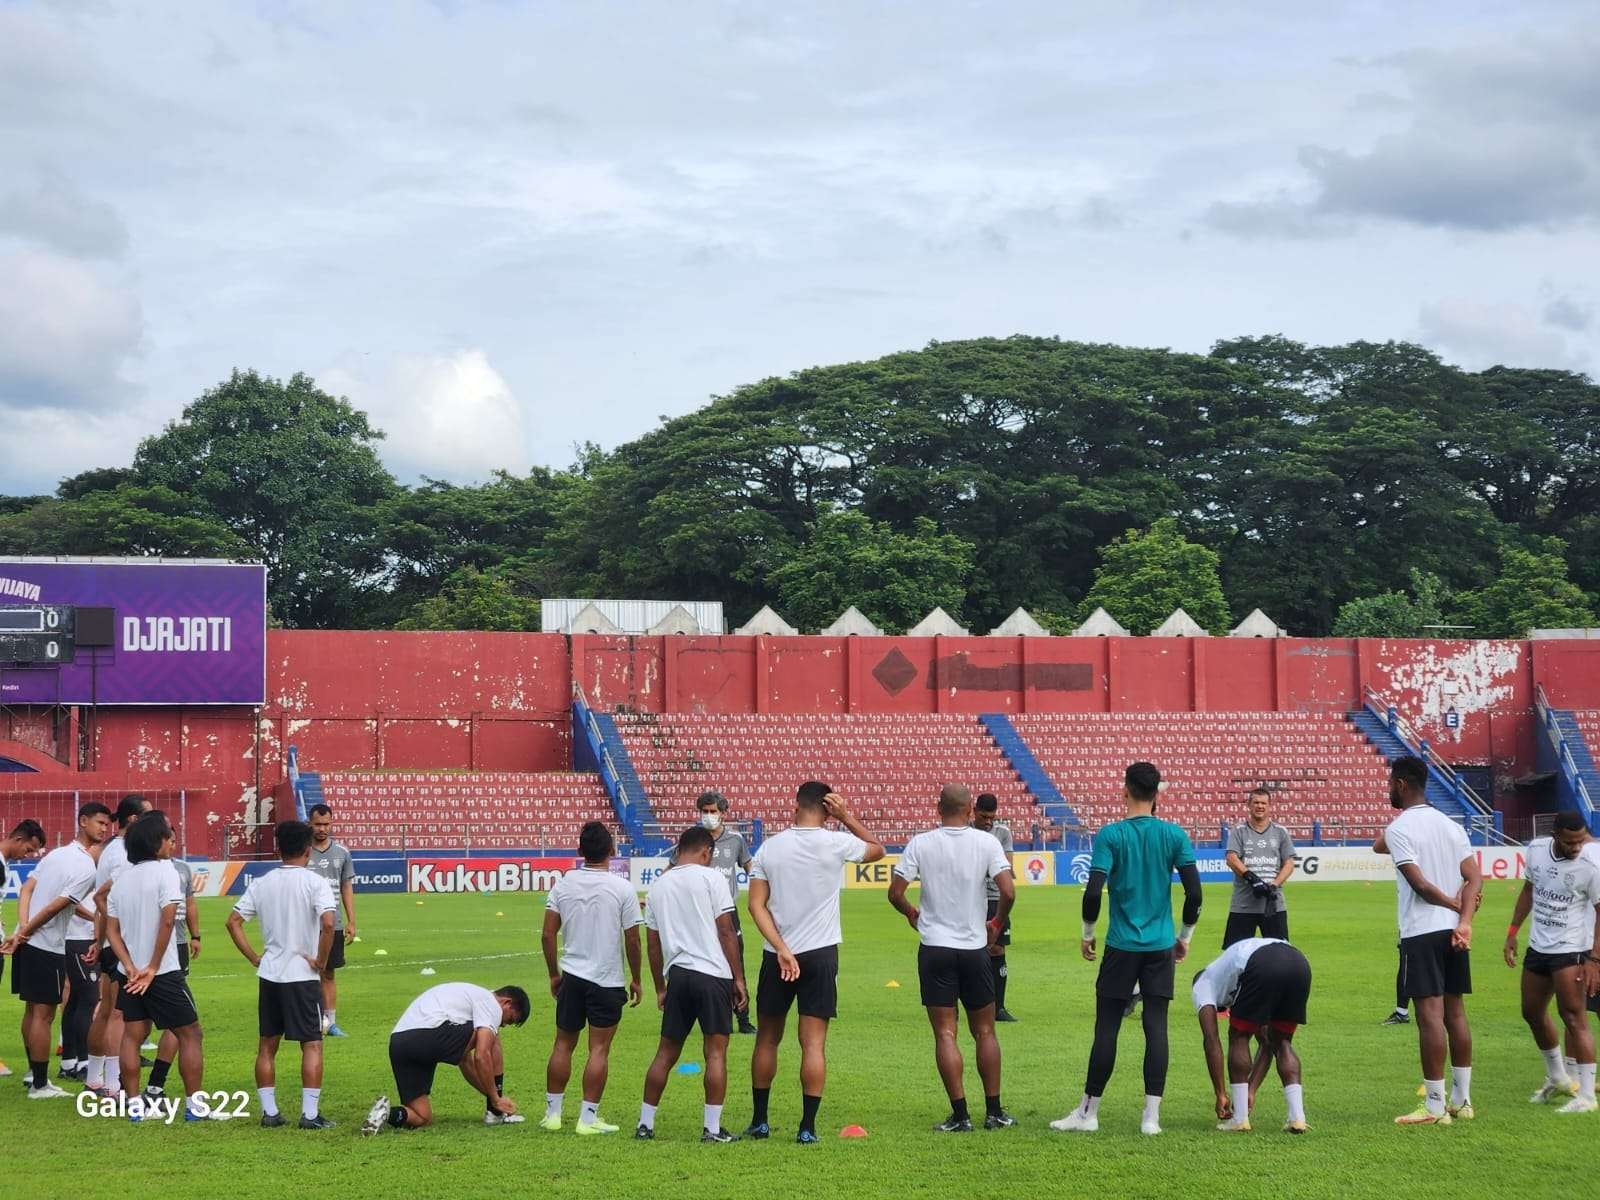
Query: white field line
{"points": [[405, 962]]}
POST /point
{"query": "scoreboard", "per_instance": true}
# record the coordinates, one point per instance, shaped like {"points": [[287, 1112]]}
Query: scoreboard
{"points": [[37, 634]]}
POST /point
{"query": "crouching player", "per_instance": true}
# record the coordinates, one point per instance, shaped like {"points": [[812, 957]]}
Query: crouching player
{"points": [[458, 1024], [1264, 984]]}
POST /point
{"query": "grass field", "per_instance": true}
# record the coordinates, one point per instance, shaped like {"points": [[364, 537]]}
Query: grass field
{"points": [[1358, 1076]]}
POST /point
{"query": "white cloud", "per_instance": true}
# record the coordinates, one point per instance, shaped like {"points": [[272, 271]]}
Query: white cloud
{"points": [[446, 416], [55, 213], [67, 331], [1477, 334]]}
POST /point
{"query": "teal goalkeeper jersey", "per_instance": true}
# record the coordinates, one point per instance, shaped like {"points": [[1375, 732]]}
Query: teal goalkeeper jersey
{"points": [[1139, 856]]}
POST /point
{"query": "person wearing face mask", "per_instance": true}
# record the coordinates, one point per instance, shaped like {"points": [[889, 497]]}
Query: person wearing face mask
{"points": [[730, 854]]}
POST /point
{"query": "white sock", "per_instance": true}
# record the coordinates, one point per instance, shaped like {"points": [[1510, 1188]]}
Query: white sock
{"points": [[552, 1104], [647, 1115], [589, 1113], [309, 1099], [1241, 1100], [1435, 1095], [1090, 1106], [1460, 1085], [97, 1071], [269, 1101], [1294, 1096], [1586, 1080], [1555, 1068], [1400, 1010], [69, 1064], [714, 1117], [1152, 1108], [1571, 1064]]}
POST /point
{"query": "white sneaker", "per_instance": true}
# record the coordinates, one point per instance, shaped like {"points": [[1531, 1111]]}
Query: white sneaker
{"points": [[494, 1118], [1076, 1121], [377, 1117], [4, 1070], [48, 1092], [1553, 1090], [1149, 1127], [1580, 1104]]}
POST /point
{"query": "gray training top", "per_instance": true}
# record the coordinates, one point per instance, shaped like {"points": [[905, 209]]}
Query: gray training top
{"points": [[180, 931], [1003, 832], [1264, 853], [334, 865]]}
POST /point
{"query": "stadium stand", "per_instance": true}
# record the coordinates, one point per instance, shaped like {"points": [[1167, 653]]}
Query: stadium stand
{"points": [[447, 810]]}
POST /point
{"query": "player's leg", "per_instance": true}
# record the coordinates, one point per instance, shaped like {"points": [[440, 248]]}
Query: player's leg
{"points": [[1241, 1064], [1156, 1059], [1572, 1003], [655, 1083], [412, 1061], [1537, 990], [1238, 927], [1433, 1044], [1459, 1035], [558, 1072], [311, 1063], [37, 1021], [774, 997], [133, 1035], [1282, 1043], [166, 1053], [813, 1070], [595, 1073], [414, 1113], [742, 1014], [329, 996], [947, 1057], [980, 1022], [1399, 1014], [83, 989], [105, 1030], [716, 1084]]}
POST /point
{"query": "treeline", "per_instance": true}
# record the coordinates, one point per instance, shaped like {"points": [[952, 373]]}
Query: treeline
{"points": [[1364, 488]]}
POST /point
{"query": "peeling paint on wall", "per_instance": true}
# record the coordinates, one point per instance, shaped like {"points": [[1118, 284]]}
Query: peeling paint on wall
{"points": [[1474, 678]]}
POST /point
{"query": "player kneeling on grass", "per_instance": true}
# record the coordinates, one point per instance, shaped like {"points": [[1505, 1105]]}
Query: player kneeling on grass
{"points": [[596, 913], [1264, 984], [295, 908], [698, 973], [141, 918], [458, 1024], [1562, 891]]}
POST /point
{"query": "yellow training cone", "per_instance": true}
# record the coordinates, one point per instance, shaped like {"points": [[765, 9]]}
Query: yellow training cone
{"points": [[499, 914], [892, 983]]}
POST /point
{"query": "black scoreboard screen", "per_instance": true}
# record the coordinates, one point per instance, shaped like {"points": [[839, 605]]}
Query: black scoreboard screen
{"points": [[37, 634]]}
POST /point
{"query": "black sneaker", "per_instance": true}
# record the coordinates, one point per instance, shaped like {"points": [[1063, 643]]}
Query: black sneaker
{"points": [[1003, 1014], [272, 1120], [721, 1135], [1397, 1018], [807, 1137], [317, 1122], [758, 1133], [999, 1120], [146, 1063], [644, 1134], [954, 1124], [745, 1026]]}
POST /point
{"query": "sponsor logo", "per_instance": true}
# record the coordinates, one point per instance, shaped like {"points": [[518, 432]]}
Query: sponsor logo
{"points": [[395, 879], [197, 635], [870, 875], [1079, 869], [19, 588], [486, 874], [1034, 868]]}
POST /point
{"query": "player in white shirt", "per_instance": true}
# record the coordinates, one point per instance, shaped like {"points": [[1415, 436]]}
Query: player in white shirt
{"points": [[794, 902], [1438, 885], [26, 840], [596, 913], [457, 1024], [56, 894], [954, 862], [1561, 890], [698, 973], [295, 908], [1263, 985], [96, 967]]}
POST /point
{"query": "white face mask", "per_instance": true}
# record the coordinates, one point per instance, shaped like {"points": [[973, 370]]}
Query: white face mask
{"points": [[711, 820]]}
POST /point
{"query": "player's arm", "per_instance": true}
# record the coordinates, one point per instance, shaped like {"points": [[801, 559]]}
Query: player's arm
{"points": [[235, 925], [630, 949], [98, 916], [839, 812], [1380, 844], [347, 894], [730, 951], [760, 893], [1091, 910], [657, 973], [191, 913], [478, 1064], [137, 980], [1235, 863], [1286, 867], [1419, 884], [1471, 895], [1591, 966], [25, 901], [1007, 886], [1214, 1060], [324, 942], [898, 884], [26, 929], [1519, 914], [1189, 877], [547, 944]]}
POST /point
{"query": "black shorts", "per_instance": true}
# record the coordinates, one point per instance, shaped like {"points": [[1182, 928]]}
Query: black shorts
{"points": [[85, 975], [336, 952], [695, 997], [1430, 966], [1151, 971], [817, 989], [167, 1003], [1272, 991], [1537, 962], [1005, 933], [580, 1003], [948, 974], [183, 956], [37, 976], [1249, 925], [290, 1010], [414, 1054]]}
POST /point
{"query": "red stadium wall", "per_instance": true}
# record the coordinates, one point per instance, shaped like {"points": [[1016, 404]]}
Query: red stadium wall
{"points": [[500, 701]]}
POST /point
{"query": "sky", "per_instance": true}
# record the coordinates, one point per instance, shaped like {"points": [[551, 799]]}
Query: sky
{"points": [[505, 229]]}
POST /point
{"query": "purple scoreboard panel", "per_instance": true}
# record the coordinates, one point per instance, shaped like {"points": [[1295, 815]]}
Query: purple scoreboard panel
{"points": [[181, 633]]}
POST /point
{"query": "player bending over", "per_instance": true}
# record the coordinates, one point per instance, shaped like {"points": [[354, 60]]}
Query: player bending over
{"points": [[1562, 891], [457, 1024], [1264, 984]]}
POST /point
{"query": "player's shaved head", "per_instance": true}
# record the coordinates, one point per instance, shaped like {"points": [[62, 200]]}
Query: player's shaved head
{"points": [[1143, 781], [811, 794], [955, 800]]}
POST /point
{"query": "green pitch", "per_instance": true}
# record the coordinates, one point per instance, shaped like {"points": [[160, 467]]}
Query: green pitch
{"points": [[1358, 1076]]}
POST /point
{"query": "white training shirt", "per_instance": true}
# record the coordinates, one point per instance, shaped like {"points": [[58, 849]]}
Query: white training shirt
{"points": [[1565, 892], [953, 862], [1218, 984], [682, 906], [136, 899], [803, 867], [289, 903], [68, 871], [113, 862], [596, 908], [1437, 845], [5, 874], [454, 1004]]}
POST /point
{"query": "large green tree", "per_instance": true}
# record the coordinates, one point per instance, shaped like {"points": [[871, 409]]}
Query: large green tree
{"points": [[293, 472], [474, 599], [896, 579], [1397, 614], [1530, 591], [128, 520], [1146, 574]]}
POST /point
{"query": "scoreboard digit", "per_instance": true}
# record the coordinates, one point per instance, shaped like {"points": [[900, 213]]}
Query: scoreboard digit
{"points": [[37, 634]]}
